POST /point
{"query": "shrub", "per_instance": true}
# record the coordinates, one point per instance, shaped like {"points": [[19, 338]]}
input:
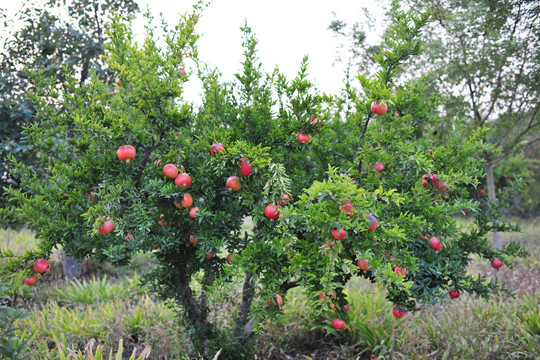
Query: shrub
{"points": [[281, 137]]}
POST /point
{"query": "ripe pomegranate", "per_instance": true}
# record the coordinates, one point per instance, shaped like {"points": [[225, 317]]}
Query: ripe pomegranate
{"points": [[126, 153], [363, 265], [193, 212], [183, 179], [271, 211], [303, 138], [210, 255], [347, 307], [41, 266], [338, 234], [91, 197], [454, 294], [129, 237], [338, 324], [183, 72], [245, 167], [233, 183], [373, 223], [107, 227], [30, 281], [230, 258], [378, 167], [170, 171], [496, 263], [482, 192], [400, 271], [284, 200], [429, 178], [434, 243], [279, 299], [193, 240], [216, 148], [399, 312], [378, 109], [187, 201], [347, 207]]}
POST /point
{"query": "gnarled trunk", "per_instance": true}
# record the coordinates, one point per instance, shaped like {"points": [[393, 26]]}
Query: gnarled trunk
{"points": [[196, 314]]}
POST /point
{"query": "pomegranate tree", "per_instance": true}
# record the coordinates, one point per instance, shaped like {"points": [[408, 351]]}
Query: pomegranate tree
{"points": [[343, 218]]}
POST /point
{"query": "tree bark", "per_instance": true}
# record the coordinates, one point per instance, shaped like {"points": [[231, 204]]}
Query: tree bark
{"points": [[492, 197], [244, 326], [196, 314]]}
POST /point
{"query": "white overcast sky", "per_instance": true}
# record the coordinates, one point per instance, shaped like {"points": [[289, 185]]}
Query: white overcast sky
{"points": [[286, 29]]}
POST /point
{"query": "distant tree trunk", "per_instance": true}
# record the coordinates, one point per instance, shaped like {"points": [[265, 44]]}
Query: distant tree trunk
{"points": [[491, 195], [8, 232]]}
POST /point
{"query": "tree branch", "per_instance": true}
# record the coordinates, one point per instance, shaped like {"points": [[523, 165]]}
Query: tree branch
{"points": [[147, 151], [360, 143], [514, 143]]}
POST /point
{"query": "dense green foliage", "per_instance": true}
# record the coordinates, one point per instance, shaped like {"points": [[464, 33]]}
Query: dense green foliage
{"points": [[56, 44], [259, 119], [482, 58], [485, 61]]}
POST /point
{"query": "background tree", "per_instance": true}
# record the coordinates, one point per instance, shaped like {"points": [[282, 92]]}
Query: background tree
{"points": [[483, 60], [57, 37], [485, 57], [365, 195]]}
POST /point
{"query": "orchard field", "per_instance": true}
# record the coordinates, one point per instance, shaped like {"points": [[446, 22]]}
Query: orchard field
{"points": [[397, 219]]}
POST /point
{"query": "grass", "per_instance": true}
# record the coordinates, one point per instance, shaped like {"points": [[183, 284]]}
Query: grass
{"points": [[99, 317], [18, 242], [138, 321]]}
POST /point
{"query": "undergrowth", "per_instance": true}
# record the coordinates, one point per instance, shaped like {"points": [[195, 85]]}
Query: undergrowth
{"points": [[103, 317]]}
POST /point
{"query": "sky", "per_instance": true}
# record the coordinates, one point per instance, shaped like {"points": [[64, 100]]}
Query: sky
{"points": [[286, 31]]}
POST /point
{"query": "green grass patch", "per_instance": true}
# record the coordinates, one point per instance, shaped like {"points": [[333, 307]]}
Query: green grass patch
{"points": [[93, 291], [139, 322]]}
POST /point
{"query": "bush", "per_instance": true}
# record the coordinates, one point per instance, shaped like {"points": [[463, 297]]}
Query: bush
{"points": [[366, 192]]}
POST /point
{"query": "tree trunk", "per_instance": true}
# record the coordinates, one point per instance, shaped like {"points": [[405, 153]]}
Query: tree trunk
{"points": [[244, 326], [491, 195], [196, 314], [8, 233]]}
